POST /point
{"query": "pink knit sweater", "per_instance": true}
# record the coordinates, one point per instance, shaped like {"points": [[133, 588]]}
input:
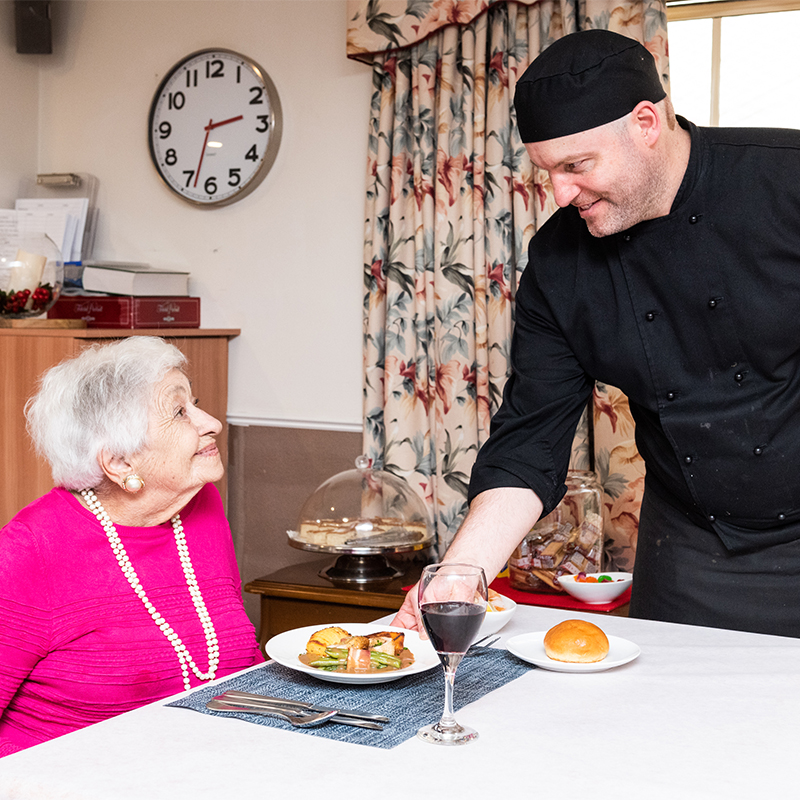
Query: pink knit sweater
{"points": [[76, 644]]}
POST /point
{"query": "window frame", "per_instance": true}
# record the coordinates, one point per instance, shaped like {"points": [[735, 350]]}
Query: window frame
{"points": [[715, 10], [679, 10]]}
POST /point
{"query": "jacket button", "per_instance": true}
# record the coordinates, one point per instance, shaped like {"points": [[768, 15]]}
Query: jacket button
{"points": [[738, 377], [757, 451], [671, 395], [687, 459], [781, 517], [712, 303], [694, 219], [711, 518], [649, 316], [627, 237]]}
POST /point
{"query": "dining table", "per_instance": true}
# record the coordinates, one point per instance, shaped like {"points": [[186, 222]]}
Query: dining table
{"points": [[699, 713]]}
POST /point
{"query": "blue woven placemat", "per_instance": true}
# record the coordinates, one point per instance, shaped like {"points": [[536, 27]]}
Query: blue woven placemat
{"points": [[410, 703]]}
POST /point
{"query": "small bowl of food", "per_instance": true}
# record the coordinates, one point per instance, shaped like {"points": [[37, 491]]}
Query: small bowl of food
{"points": [[499, 611], [602, 587]]}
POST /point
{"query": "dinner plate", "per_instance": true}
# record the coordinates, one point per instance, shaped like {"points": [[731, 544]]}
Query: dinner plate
{"points": [[530, 647], [286, 647]]}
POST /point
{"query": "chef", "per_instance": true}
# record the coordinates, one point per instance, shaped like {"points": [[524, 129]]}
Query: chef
{"points": [[672, 271]]}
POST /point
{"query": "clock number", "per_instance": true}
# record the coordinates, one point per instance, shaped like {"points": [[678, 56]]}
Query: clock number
{"points": [[164, 130], [210, 185], [215, 69], [176, 100], [189, 173], [170, 158], [264, 121], [258, 95], [235, 176], [252, 154], [238, 73], [191, 78]]}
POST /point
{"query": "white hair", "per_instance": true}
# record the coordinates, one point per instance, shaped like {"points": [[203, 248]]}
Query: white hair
{"points": [[97, 401]]}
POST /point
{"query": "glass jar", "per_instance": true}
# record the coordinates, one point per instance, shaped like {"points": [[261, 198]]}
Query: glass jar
{"points": [[568, 540], [31, 276]]}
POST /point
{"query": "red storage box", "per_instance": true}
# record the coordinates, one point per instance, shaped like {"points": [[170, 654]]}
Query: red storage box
{"points": [[113, 311]]}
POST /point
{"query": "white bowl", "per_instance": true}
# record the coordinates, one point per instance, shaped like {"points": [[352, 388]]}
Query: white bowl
{"points": [[493, 621], [595, 593]]}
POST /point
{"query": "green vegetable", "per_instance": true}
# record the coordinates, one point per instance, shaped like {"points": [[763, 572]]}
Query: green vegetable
{"points": [[385, 659]]}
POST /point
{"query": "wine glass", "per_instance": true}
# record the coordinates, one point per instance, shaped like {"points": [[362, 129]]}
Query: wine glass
{"points": [[452, 604]]}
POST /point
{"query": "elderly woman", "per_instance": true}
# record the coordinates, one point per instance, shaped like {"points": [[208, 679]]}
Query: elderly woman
{"points": [[119, 586]]}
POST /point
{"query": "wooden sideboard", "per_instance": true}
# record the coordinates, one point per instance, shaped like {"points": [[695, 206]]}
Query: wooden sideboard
{"points": [[25, 353], [297, 596]]}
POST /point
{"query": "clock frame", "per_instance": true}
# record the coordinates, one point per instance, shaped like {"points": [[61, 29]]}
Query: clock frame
{"points": [[214, 127]]}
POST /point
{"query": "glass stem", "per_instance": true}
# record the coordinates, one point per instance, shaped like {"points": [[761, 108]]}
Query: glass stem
{"points": [[448, 720]]}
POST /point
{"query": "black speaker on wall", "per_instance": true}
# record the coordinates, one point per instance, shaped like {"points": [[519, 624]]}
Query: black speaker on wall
{"points": [[32, 21]]}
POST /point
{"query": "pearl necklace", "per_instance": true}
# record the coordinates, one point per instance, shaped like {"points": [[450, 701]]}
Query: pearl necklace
{"points": [[124, 562]]}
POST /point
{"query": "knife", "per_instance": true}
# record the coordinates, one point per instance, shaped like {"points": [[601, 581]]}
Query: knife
{"points": [[247, 697], [258, 706], [244, 707]]}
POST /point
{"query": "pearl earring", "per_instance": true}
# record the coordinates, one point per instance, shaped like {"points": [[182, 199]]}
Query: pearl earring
{"points": [[132, 483]]}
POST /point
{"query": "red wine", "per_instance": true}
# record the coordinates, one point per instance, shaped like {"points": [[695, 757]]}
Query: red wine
{"points": [[451, 625]]}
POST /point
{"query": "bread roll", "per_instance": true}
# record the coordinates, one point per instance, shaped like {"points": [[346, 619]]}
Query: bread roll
{"points": [[576, 641]]}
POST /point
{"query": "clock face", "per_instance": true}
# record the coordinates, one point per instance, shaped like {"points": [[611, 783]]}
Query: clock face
{"points": [[215, 127]]}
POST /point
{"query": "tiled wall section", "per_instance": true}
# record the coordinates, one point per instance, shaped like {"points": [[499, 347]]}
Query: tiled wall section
{"points": [[271, 473]]}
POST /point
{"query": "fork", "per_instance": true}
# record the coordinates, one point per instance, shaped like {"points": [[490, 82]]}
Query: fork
{"points": [[297, 720], [488, 644]]}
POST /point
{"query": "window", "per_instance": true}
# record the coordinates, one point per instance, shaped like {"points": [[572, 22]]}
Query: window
{"points": [[734, 62]]}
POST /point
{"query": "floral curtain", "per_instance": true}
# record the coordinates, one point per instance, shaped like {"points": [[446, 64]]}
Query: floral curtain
{"points": [[452, 201]]}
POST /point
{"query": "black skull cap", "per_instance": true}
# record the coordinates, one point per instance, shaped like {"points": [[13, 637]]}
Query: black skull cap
{"points": [[584, 80]]}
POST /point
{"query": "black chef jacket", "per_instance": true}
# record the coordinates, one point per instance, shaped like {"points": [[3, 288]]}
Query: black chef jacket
{"points": [[695, 317]]}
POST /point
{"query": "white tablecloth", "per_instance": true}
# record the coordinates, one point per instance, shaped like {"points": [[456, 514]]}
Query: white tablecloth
{"points": [[702, 713]]}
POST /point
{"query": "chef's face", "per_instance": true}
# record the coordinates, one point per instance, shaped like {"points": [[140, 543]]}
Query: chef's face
{"points": [[605, 172]]}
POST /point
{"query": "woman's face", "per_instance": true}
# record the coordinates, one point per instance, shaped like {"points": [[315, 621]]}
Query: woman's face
{"points": [[181, 455]]}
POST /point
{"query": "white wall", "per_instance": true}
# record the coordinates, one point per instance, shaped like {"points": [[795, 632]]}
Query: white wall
{"points": [[284, 264], [19, 115]]}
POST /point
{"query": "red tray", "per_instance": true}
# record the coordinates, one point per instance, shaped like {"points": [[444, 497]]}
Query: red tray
{"points": [[503, 586]]}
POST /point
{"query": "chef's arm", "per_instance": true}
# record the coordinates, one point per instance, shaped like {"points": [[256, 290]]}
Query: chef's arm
{"points": [[497, 522]]}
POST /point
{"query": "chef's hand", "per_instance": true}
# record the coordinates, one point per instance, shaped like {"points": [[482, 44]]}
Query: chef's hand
{"points": [[497, 522], [408, 615]]}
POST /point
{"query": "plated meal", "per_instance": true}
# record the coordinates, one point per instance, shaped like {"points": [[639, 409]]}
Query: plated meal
{"points": [[573, 646], [298, 648], [333, 649]]}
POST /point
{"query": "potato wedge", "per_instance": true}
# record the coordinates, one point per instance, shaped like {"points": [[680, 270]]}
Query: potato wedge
{"points": [[324, 638]]}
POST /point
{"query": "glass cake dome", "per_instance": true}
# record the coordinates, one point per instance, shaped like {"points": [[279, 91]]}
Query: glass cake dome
{"points": [[362, 514]]}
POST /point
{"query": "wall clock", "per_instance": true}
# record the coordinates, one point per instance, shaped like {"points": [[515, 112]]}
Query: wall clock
{"points": [[215, 127]]}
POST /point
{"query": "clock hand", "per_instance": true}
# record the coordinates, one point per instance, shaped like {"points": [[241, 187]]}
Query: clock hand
{"points": [[202, 154], [211, 125]]}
